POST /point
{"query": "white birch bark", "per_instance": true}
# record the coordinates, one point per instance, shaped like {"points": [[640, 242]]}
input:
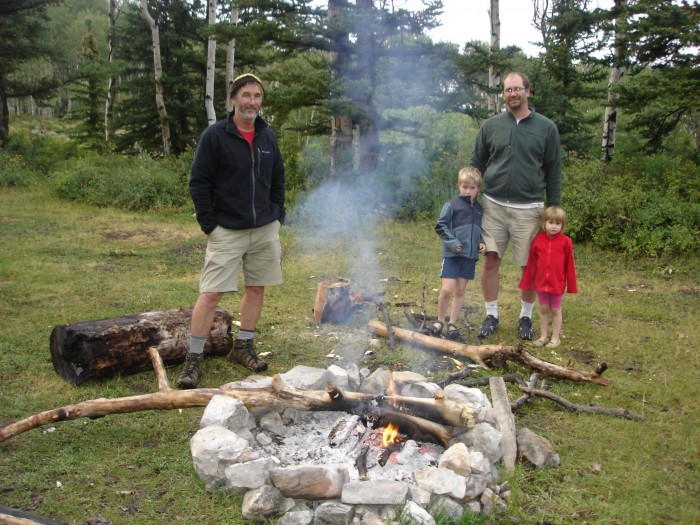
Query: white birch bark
{"points": [[230, 59], [616, 73], [211, 67], [158, 73], [494, 72], [341, 122], [111, 90]]}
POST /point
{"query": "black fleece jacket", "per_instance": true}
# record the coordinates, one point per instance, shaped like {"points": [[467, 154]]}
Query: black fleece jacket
{"points": [[232, 186]]}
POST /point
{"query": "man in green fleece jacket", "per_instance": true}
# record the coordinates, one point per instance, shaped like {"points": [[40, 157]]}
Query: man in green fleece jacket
{"points": [[519, 153]]}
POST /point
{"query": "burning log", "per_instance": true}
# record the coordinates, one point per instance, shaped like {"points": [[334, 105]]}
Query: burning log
{"points": [[386, 453], [108, 347], [415, 427], [495, 353]]}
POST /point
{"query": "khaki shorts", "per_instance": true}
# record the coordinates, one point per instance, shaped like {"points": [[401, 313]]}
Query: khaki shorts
{"points": [[502, 224], [257, 249]]}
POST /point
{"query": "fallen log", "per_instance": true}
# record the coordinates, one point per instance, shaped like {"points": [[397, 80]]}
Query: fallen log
{"points": [[278, 395], [478, 354], [109, 347], [498, 354]]}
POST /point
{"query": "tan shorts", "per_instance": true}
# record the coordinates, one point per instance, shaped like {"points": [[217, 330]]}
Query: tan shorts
{"points": [[258, 249], [502, 224]]}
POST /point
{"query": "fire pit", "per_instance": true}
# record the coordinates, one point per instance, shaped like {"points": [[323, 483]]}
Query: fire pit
{"points": [[331, 466]]}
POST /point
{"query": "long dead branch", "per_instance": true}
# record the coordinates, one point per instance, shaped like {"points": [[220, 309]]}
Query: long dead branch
{"points": [[496, 353], [278, 395], [589, 409]]}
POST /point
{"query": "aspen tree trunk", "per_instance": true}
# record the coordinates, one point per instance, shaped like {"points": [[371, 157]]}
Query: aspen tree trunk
{"points": [[230, 59], [158, 69], [4, 112], [211, 67], [616, 73], [494, 72], [111, 90], [341, 123], [367, 122]]}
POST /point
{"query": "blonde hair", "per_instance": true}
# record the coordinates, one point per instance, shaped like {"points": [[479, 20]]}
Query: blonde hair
{"points": [[469, 174], [554, 214]]}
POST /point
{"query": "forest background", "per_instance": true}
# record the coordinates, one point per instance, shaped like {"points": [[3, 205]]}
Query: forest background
{"points": [[374, 120]]}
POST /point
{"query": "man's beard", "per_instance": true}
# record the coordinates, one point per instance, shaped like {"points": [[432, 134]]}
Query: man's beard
{"points": [[249, 114]]}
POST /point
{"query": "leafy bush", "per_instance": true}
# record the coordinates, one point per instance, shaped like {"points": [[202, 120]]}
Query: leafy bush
{"points": [[139, 183], [41, 153], [14, 171], [643, 206]]}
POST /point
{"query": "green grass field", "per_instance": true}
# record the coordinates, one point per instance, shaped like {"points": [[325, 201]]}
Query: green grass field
{"points": [[63, 263]]}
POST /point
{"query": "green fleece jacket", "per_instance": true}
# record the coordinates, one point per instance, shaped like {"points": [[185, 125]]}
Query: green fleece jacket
{"points": [[519, 161]]}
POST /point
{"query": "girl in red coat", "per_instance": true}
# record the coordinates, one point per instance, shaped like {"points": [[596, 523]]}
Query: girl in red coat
{"points": [[550, 267]]}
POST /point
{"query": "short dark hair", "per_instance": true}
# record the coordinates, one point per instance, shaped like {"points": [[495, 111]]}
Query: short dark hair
{"points": [[523, 76]]}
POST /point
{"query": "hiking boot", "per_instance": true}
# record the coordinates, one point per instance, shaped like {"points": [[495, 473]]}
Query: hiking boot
{"points": [[525, 330], [488, 327], [191, 370], [244, 354]]}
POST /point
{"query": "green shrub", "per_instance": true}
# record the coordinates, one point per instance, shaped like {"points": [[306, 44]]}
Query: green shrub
{"points": [[14, 171], [642, 206], [132, 183], [41, 152]]}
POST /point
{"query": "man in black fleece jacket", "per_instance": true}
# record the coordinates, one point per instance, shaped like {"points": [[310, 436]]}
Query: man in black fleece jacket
{"points": [[237, 186]]}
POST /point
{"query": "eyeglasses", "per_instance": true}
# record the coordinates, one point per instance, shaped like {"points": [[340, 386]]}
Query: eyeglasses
{"points": [[247, 97], [511, 90]]}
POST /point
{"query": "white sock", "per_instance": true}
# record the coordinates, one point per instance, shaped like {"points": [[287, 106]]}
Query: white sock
{"points": [[245, 335], [492, 308], [526, 309], [197, 343]]}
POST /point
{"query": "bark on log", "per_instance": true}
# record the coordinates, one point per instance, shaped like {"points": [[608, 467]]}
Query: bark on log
{"points": [[494, 353], [108, 347]]}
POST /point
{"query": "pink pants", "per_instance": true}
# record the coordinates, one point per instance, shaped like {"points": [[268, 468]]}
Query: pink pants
{"points": [[554, 300]]}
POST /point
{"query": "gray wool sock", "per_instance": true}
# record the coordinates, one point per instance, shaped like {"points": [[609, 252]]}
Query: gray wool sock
{"points": [[197, 344]]}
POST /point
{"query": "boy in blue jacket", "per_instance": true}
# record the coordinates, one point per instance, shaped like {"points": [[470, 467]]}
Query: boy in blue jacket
{"points": [[459, 228]]}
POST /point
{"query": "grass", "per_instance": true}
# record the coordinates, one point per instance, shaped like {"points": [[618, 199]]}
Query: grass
{"points": [[64, 262]]}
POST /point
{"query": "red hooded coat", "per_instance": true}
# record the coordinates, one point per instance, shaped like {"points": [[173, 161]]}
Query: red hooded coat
{"points": [[550, 265]]}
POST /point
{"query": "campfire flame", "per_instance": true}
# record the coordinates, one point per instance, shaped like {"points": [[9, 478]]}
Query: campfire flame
{"points": [[389, 435]]}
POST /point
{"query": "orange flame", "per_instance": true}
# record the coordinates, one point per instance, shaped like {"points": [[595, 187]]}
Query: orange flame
{"points": [[389, 435]]}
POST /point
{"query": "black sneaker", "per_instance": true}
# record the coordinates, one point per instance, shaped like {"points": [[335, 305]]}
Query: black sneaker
{"points": [[525, 330], [191, 370], [488, 327], [244, 354]]}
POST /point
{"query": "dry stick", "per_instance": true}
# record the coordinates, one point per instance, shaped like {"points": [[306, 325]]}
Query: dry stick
{"points": [[422, 302], [387, 321], [481, 381], [621, 412], [532, 383]]}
